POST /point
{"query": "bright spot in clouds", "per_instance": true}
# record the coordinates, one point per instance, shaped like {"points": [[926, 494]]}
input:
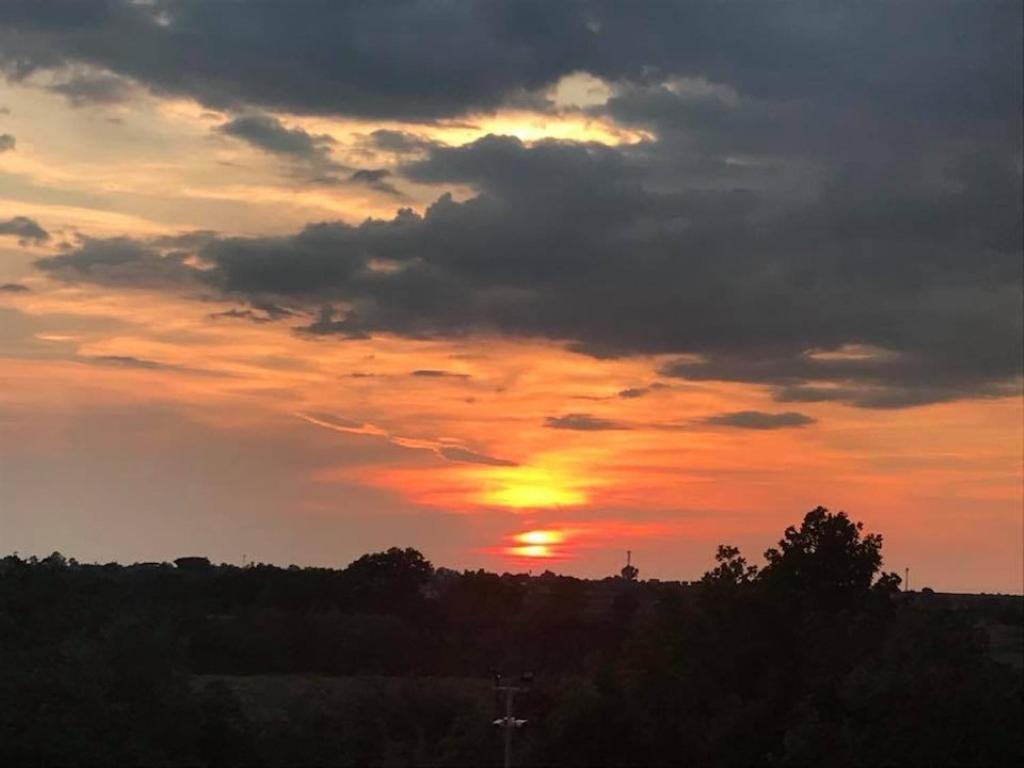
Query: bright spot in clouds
{"points": [[530, 488]]}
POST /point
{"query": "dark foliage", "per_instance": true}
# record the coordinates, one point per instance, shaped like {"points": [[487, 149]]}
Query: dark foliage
{"points": [[816, 658]]}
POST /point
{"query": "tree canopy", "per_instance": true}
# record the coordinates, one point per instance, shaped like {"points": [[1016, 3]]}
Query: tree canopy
{"points": [[814, 658]]}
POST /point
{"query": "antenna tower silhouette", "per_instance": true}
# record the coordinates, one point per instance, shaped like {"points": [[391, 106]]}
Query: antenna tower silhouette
{"points": [[629, 571]]}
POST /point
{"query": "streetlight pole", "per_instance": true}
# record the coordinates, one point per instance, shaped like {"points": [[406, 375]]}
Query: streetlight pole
{"points": [[509, 723]]}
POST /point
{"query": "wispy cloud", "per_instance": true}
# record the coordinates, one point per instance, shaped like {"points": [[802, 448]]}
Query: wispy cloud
{"points": [[443, 449]]}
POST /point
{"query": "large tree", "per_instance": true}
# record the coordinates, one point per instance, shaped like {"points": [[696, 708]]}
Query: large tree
{"points": [[827, 561]]}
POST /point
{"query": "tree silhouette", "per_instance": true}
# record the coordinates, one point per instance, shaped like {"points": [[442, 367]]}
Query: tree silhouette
{"points": [[732, 568], [392, 578], [826, 562], [809, 660]]}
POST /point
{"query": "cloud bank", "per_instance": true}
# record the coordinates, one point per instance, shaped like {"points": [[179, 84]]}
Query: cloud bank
{"points": [[828, 204]]}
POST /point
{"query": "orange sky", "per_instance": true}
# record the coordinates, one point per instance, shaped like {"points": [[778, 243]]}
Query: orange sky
{"points": [[136, 426]]}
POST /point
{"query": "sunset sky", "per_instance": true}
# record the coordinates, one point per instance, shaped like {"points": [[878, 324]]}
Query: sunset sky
{"points": [[522, 285]]}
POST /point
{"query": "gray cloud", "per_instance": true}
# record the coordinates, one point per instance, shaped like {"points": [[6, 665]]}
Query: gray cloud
{"points": [[122, 261], [633, 392], [398, 142], [269, 134], [14, 288], [583, 422], [431, 373], [7, 142], [466, 456], [25, 229], [377, 59], [760, 420], [189, 239], [936, 57], [127, 361], [94, 88], [241, 314], [817, 180], [687, 271], [261, 312], [374, 179], [346, 326]]}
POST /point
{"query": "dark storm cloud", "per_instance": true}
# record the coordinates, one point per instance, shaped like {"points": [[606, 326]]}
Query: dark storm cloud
{"points": [[566, 242], [398, 142], [381, 59], [582, 422], [346, 326], [190, 239], [760, 420], [818, 180], [7, 142], [269, 134], [374, 179], [25, 229], [325, 56], [121, 261]]}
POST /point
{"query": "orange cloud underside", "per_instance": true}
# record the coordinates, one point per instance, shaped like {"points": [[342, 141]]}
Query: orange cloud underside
{"points": [[476, 444], [942, 482]]}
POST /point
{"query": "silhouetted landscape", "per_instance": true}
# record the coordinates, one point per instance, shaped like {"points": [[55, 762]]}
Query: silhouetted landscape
{"points": [[531, 301], [817, 657]]}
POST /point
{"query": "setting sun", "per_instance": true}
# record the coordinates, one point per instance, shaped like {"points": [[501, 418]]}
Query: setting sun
{"points": [[540, 537], [537, 544]]}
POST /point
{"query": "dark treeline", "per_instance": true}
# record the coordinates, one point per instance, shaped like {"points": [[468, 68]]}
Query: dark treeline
{"points": [[814, 658]]}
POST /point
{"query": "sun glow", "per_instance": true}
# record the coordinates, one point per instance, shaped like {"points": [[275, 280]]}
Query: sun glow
{"points": [[531, 550], [530, 488]]}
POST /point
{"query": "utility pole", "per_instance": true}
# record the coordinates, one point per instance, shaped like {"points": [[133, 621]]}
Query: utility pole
{"points": [[509, 723], [906, 579]]}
